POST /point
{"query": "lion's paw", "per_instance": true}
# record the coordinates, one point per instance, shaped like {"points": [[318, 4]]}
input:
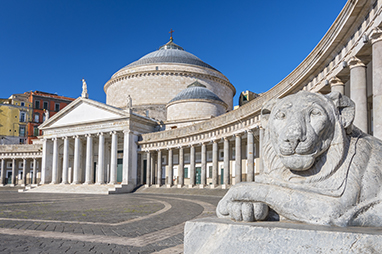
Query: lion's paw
{"points": [[242, 210]]}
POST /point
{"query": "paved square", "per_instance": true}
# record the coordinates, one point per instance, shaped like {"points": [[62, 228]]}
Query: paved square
{"points": [[125, 223]]}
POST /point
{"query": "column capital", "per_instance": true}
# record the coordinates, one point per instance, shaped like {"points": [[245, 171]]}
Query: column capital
{"points": [[100, 134], [355, 62], [88, 135], [64, 138], [169, 148], [54, 139], [375, 35], [127, 131], [238, 134], [76, 136], [335, 82], [227, 137], [113, 132]]}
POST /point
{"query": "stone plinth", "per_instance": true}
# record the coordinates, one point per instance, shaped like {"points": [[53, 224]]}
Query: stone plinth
{"points": [[213, 235]]}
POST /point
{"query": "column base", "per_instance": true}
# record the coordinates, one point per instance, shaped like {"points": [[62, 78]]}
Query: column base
{"points": [[147, 185], [22, 185], [179, 186], [202, 186], [75, 183], [225, 186], [2, 185], [34, 185], [99, 183], [191, 186], [158, 185], [12, 185], [213, 186], [64, 183], [53, 183], [87, 183], [169, 185]]}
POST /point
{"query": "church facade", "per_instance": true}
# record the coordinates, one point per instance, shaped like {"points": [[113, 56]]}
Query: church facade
{"points": [[182, 132]]}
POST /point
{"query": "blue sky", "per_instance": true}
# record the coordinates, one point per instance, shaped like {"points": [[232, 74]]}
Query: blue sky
{"points": [[51, 45]]}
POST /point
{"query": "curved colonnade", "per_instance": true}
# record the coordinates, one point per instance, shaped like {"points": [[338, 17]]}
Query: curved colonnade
{"points": [[348, 59]]}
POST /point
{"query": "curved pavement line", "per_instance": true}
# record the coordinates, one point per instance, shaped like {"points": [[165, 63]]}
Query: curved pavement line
{"points": [[139, 241], [167, 207]]}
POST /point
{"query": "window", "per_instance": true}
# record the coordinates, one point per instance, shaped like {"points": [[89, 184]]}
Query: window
{"points": [[37, 118], [221, 154], [209, 155], [22, 131], [210, 172], [37, 104], [164, 159], [20, 174], [9, 164], [35, 131], [22, 117], [198, 157], [176, 158], [43, 117], [22, 104], [57, 107], [45, 105], [187, 158], [31, 164], [21, 164], [185, 172]]}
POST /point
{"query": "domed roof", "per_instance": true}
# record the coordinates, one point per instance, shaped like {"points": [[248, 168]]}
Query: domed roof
{"points": [[170, 53], [196, 91]]}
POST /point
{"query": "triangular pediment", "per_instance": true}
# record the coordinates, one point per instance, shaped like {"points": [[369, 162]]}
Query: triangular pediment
{"points": [[83, 111]]}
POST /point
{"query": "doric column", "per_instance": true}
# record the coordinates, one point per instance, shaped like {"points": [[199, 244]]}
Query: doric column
{"points": [[215, 164], [55, 162], [159, 172], [358, 92], [152, 169], [260, 167], [113, 160], [65, 161], [192, 166], [203, 177], [127, 167], [376, 41], [34, 172], [44, 161], [101, 159], [24, 180], [337, 85], [148, 169], [181, 168], [13, 180], [170, 169], [250, 157], [237, 158], [77, 160], [226, 163], [2, 179], [89, 160]]}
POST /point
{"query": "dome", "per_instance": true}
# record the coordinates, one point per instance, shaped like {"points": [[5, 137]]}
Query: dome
{"points": [[196, 91], [170, 53]]}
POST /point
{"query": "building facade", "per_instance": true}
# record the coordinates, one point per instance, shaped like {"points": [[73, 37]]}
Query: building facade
{"points": [[16, 112], [148, 132]]}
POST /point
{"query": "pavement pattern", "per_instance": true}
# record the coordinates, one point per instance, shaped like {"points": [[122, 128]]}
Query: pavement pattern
{"points": [[78, 223]]}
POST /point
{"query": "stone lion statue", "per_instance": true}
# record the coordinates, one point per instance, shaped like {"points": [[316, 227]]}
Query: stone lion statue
{"points": [[317, 167]]}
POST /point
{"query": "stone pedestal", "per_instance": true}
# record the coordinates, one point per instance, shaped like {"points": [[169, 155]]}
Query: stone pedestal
{"points": [[213, 235]]}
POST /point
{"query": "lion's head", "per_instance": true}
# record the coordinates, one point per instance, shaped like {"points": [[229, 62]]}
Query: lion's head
{"points": [[301, 130]]}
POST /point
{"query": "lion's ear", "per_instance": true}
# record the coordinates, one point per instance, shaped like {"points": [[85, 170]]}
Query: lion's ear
{"points": [[266, 110], [345, 106]]}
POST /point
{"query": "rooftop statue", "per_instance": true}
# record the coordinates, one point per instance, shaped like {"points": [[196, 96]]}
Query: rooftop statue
{"points": [[318, 167]]}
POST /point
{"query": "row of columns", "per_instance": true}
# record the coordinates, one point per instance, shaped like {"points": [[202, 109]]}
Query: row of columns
{"points": [[358, 86], [89, 159], [13, 179], [192, 172]]}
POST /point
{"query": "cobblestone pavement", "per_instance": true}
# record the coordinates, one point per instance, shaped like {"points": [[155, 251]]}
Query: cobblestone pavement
{"points": [[125, 223]]}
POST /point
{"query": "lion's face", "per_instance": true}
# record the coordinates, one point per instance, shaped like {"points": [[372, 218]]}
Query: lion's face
{"points": [[301, 128]]}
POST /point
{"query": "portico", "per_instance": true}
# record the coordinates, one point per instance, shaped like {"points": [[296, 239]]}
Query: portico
{"points": [[92, 143]]}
